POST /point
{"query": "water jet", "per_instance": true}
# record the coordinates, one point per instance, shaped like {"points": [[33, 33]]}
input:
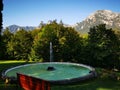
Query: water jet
{"points": [[51, 68]]}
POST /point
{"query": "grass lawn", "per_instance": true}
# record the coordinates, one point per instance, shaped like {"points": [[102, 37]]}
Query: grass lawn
{"points": [[103, 82]]}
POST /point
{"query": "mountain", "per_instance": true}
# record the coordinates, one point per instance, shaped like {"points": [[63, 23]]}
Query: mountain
{"points": [[111, 19], [14, 28]]}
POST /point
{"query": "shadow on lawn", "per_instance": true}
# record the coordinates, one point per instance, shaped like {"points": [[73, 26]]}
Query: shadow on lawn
{"points": [[96, 84]]}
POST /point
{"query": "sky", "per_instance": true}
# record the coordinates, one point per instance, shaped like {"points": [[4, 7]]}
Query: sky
{"points": [[32, 12]]}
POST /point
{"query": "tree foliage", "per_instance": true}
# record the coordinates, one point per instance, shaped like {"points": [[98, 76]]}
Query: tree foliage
{"points": [[103, 46], [65, 41], [100, 48], [20, 45], [6, 37]]}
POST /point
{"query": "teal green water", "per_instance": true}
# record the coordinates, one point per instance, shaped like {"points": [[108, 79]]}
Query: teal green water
{"points": [[61, 72]]}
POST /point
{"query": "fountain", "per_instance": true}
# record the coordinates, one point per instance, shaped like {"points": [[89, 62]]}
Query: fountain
{"points": [[51, 68], [53, 72]]}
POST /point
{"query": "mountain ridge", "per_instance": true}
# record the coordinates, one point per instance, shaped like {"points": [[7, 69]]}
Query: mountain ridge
{"points": [[111, 19], [108, 17], [14, 28]]}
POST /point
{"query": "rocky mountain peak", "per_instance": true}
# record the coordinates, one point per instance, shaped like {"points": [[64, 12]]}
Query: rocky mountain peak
{"points": [[106, 14], [111, 19]]}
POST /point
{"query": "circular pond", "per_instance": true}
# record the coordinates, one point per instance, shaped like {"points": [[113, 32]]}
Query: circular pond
{"points": [[63, 72]]}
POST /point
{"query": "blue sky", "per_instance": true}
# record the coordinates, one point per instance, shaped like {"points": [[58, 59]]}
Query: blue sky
{"points": [[32, 12]]}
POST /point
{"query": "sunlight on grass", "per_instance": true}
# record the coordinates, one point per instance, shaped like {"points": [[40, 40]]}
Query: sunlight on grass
{"points": [[11, 61], [103, 89]]}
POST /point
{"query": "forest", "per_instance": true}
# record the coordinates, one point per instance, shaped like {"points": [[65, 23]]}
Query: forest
{"points": [[99, 48]]}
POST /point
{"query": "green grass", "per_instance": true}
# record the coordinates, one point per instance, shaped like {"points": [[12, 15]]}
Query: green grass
{"points": [[103, 82]]}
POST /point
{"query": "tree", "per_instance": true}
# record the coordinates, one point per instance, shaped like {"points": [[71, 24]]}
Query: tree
{"points": [[42, 40], [6, 37], [20, 45], [103, 46], [66, 43], [117, 32], [41, 24], [70, 45], [35, 32]]}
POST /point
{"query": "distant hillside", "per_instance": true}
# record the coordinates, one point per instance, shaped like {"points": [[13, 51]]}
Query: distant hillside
{"points": [[14, 28], [111, 19]]}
